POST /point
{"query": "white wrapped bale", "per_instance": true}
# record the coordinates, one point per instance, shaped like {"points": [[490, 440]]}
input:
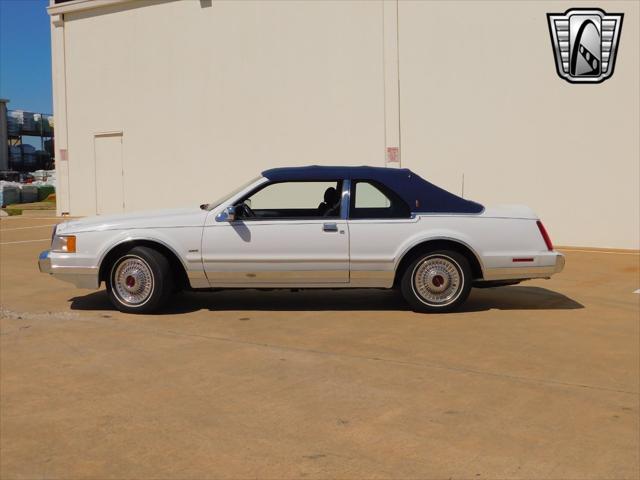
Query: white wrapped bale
{"points": [[45, 176]]}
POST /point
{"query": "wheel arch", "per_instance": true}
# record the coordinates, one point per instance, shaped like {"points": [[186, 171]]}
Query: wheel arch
{"points": [[443, 243], [177, 266]]}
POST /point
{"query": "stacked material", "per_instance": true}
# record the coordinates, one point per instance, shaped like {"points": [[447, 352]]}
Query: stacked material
{"points": [[29, 122], [37, 122], [25, 155], [15, 154], [13, 192], [47, 177], [9, 193], [28, 193], [43, 123], [45, 180], [43, 159], [20, 122], [29, 157], [47, 124], [49, 146], [15, 119], [44, 191]]}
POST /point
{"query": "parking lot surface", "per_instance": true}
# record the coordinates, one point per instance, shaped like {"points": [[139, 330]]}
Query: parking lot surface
{"points": [[539, 380]]}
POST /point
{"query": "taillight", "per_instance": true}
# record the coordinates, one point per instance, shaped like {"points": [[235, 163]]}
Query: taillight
{"points": [[545, 235]]}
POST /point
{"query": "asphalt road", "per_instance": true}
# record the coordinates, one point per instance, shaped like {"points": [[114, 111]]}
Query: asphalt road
{"points": [[533, 381]]}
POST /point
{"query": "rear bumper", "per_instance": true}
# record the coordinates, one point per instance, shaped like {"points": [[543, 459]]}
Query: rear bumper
{"points": [[80, 276], [560, 261], [548, 265]]}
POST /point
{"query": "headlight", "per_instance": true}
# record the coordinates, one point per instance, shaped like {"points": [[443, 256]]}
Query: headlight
{"points": [[64, 243]]}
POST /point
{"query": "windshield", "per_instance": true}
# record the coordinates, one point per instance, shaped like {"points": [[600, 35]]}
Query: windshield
{"points": [[214, 204]]}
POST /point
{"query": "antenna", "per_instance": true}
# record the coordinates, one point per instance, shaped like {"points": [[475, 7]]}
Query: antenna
{"points": [[463, 185]]}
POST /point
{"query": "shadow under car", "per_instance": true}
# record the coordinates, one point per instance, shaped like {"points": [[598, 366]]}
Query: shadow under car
{"points": [[501, 298]]}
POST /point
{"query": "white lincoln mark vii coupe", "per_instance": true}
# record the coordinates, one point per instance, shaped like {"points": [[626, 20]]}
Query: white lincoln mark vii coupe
{"points": [[309, 227]]}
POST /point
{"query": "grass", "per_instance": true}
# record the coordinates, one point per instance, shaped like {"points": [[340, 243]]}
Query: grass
{"points": [[17, 208], [12, 211]]}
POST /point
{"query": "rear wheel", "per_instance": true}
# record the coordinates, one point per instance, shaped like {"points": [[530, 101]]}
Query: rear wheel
{"points": [[140, 281], [437, 281]]}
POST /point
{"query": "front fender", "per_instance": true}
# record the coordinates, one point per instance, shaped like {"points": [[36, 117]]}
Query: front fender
{"points": [[183, 242]]}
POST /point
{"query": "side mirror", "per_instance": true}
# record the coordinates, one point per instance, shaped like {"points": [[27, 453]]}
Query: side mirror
{"points": [[227, 215], [230, 212]]}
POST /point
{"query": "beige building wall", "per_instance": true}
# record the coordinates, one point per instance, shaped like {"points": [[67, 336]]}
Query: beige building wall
{"points": [[207, 97], [209, 93], [480, 96]]}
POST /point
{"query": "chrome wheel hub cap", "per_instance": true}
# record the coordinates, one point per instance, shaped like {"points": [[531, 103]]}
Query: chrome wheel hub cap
{"points": [[133, 281], [437, 280]]}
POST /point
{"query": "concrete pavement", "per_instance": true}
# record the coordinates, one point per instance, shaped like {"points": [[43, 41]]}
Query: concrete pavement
{"points": [[539, 380]]}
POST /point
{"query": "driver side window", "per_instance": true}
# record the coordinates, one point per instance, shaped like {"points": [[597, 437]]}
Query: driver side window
{"points": [[293, 200]]}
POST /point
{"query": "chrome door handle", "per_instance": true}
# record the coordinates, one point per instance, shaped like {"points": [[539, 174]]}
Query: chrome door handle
{"points": [[330, 227]]}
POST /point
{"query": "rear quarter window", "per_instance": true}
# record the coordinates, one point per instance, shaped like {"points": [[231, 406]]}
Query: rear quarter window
{"points": [[371, 199]]}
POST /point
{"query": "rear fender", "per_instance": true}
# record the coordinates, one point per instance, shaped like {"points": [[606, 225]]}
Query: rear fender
{"points": [[435, 235]]}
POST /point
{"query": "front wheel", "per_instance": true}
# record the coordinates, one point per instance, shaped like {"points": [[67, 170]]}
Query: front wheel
{"points": [[436, 281], [140, 281]]}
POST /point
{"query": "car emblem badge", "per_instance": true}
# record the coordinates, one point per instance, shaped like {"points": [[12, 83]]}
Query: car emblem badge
{"points": [[585, 43]]}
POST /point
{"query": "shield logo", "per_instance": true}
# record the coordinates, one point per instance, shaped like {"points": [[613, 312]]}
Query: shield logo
{"points": [[585, 43]]}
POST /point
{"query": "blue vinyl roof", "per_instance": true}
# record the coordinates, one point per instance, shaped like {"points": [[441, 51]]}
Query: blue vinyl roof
{"points": [[420, 195]]}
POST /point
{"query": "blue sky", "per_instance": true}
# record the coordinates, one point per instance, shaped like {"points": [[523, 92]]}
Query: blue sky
{"points": [[25, 55]]}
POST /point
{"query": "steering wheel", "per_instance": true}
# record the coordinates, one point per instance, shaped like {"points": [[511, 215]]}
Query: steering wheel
{"points": [[245, 210]]}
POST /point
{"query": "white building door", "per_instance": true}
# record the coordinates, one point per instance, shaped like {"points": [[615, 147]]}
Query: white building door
{"points": [[109, 173]]}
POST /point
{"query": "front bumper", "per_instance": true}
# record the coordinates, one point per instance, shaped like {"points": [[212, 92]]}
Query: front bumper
{"points": [[81, 276], [44, 262]]}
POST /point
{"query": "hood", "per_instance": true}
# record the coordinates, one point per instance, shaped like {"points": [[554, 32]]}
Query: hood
{"points": [[183, 217], [510, 211]]}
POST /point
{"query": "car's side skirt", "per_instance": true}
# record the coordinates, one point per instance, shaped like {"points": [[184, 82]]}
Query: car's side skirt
{"points": [[290, 279]]}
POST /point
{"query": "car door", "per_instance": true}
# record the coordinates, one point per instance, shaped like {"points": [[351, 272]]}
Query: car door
{"points": [[379, 221], [284, 234]]}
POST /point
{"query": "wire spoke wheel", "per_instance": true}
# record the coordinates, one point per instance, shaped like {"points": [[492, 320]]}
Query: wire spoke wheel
{"points": [[437, 280], [133, 281], [140, 280]]}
